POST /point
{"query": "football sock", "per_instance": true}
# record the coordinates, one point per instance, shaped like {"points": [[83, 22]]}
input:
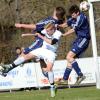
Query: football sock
{"points": [[45, 73], [67, 73], [76, 68], [51, 77], [18, 61]]}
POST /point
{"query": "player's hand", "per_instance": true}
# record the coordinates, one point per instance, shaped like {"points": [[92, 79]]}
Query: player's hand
{"points": [[37, 34], [63, 25], [23, 35], [64, 34], [18, 25]]}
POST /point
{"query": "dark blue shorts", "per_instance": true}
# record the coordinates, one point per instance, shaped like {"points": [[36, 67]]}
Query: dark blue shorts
{"points": [[37, 44], [79, 46]]}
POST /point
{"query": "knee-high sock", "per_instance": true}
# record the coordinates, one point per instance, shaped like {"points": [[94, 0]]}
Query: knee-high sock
{"points": [[76, 68], [67, 73], [51, 77], [19, 61], [45, 73]]}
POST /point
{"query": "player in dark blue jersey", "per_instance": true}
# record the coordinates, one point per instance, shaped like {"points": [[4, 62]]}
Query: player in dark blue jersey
{"points": [[57, 18], [79, 24]]}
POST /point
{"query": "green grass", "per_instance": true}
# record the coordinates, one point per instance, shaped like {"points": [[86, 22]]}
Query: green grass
{"points": [[84, 93]]}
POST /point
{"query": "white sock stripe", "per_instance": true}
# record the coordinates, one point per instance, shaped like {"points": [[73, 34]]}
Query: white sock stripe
{"points": [[82, 42], [19, 60], [73, 61]]}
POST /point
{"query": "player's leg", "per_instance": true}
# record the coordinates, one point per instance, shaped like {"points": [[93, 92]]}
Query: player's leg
{"points": [[70, 58], [18, 61], [51, 79], [25, 56], [35, 45], [49, 61], [64, 80], [76, 67], [72, 63], [44, 67], [78, 48], [38, 43], [47, 72]]}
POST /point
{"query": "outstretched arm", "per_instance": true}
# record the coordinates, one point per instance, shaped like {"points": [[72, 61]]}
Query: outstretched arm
{"points": [[44, 38], [70, 31], [28, 26], [64, 25], [28, 34]]}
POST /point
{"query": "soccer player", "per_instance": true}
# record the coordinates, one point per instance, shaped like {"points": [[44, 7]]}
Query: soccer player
{"points": [[79, 24], [47, 52], [58, 17]]}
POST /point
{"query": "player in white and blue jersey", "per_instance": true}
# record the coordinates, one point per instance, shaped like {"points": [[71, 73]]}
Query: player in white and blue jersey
{"points": [[50, 44], [79, 24], [57, 18]]}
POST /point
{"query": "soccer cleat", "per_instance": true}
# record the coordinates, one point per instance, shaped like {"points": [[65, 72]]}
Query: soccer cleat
{"points": [[6, 66], [3, 73], [61, 82], [53, 90], [80, 79], [1, 68], [5, 69]]}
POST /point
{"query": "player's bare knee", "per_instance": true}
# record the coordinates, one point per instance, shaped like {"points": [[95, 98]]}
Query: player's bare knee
{"points": [[29, 56], [49, 69], [69, 65], [68, 57]]}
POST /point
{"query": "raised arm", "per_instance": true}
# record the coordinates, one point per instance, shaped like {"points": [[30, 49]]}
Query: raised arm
{"points": [[28, 26], [70, 31], [44, 38], [27, 34], [64, 25]]}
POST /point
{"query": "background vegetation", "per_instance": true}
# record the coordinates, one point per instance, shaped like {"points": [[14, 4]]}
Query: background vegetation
{"points": [[31, 11]]}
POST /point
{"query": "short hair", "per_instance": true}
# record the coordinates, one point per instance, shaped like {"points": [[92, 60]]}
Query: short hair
{"points": [[74, 9], [49, 25], [18, 48], [60, 13]]}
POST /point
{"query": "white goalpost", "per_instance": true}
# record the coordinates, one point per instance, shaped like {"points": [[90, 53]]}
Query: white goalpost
{"points": [[94, 45]]}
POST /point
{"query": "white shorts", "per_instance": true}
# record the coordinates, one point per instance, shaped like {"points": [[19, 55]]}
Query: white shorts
{"points": [[45, 54]]}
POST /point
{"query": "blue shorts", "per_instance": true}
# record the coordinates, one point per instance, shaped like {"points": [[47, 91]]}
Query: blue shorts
{"points": [[79, 46], [37, 44]]}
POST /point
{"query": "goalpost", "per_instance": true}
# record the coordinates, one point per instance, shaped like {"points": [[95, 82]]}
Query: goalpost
{"points": [[94, 45]]}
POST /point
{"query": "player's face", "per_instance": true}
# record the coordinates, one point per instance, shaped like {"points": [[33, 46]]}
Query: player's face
{"points": [[75, 15], [50, 31]]}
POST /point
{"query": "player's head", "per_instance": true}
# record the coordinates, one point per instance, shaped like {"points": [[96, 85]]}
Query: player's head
{"points": [[59, 12], [74, 11], [18, 50], [50, 28]]}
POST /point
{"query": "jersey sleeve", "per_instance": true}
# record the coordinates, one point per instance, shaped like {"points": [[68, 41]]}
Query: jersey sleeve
{"points": [[57, 35], [69, 22], [40, 25], [79, 22]]}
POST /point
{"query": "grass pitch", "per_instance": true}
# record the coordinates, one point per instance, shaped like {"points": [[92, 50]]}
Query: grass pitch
{"points": [[83, 93]]}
